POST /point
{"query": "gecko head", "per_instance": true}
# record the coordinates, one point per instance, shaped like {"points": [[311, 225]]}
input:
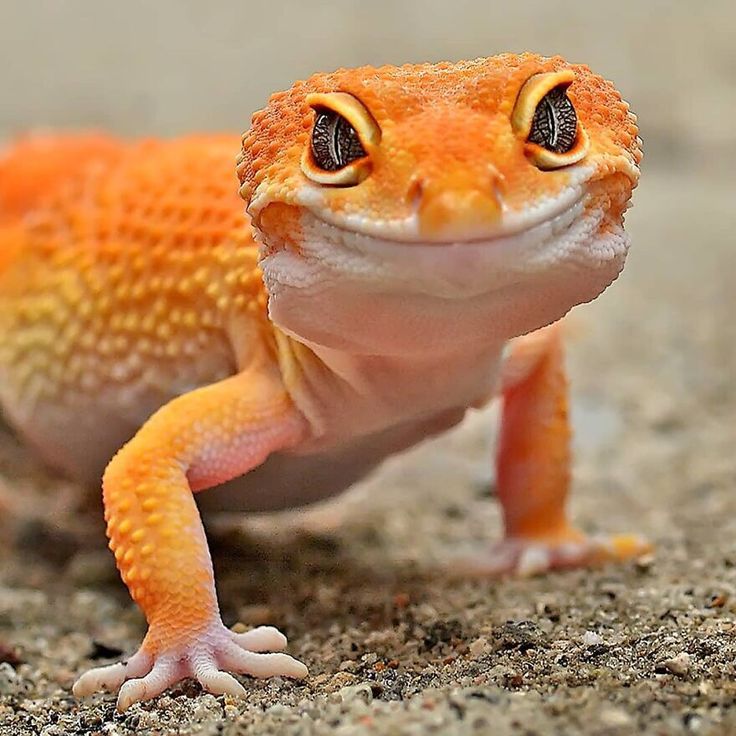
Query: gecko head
{"points": [[425, 206]]}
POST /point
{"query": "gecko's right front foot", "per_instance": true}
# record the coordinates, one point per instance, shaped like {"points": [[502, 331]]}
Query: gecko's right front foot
{"points": [[205, 656]]}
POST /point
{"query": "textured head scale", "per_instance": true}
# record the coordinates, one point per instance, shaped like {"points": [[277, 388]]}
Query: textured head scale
{"points": [[443, 126]]}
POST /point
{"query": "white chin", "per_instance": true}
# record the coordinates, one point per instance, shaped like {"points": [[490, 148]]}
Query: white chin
{"points": [[356, 292]]}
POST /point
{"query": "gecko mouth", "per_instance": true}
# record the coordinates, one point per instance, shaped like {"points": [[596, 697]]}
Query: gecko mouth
{"points": [[555, 213], [518, 235]]}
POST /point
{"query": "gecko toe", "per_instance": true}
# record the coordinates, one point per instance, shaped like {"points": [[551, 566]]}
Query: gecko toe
{"points": [[261, 639], [218, 682], [263, 665], [163, 674]]}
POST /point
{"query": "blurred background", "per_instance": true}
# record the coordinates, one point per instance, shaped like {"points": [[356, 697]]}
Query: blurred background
{"points": [[171, 66], [654, 399]]}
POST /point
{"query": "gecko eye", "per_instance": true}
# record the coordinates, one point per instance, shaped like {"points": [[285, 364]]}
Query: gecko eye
{"points": [[343, 136], [555, 123], [545, 117], [335, 142]]}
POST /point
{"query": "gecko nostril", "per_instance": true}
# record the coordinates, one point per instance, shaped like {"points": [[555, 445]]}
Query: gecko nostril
{"points": [[415, 192], [498, 182], [498, 189]]}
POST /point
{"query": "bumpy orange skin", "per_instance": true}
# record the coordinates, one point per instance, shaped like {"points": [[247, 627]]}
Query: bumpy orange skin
{"points": [[126, 271], [38, 166], [427, 114]]}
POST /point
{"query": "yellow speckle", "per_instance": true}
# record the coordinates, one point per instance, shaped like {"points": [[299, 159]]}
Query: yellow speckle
{"points": [[137, 290], [125, 526], [137, 535], [149, 504], [84, 309], [130, 322], [129, 555], [147, 550], [154, 519], [172, 349], [120, 344], [148, 323], [163, 331], [122, 292]]}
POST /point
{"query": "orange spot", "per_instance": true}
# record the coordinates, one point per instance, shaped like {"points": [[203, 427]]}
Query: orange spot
{"points": [[125, 526]]}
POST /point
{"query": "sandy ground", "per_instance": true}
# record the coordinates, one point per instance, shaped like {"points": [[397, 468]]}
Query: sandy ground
{"points": [[395, 644]]}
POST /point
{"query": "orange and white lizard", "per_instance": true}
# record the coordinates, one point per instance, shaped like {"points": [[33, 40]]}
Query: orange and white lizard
{"points": [[405, 223]]}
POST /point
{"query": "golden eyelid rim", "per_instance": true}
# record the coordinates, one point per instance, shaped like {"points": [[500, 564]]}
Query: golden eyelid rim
{"points": [[355, 112], [546, 159], [530, 95]]}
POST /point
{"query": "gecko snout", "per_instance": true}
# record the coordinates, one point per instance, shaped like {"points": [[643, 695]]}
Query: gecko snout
{"points": [[457, 205]]}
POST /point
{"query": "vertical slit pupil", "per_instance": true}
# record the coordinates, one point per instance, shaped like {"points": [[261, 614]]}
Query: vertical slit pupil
{"points": [[335, 143], [555, 123]]}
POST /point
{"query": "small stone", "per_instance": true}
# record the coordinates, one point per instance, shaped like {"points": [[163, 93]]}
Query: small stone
{"points": [[360, 691], [679, 664], [644, 563], [591, 639], [718, 600], [10, 682], [479, 647], [614, 718], [401, 600]]}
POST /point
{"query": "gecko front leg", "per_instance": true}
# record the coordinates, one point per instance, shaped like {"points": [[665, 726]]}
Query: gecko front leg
{"points": [[533, 469], [196, 441]]}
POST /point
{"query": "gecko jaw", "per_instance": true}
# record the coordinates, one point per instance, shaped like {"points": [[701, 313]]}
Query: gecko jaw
{"points": [[459, 269]]}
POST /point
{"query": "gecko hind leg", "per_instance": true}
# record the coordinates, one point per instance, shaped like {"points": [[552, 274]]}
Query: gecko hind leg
{"points": [[533, 471]]}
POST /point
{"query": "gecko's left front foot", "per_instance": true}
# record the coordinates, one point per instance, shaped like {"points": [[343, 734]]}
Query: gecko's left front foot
{"points": [[526, 556], [204, 657]]}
